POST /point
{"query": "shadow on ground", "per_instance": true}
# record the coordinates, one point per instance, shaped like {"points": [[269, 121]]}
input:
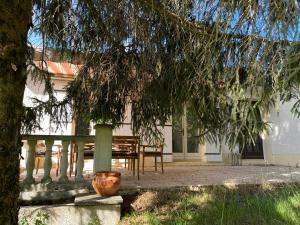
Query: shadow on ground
{"points": [[271, 204]]}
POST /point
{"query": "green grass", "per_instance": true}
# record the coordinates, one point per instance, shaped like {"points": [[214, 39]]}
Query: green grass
{"points": [[245, 205]]}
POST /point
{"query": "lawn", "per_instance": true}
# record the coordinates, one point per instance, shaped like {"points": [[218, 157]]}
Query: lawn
{"points": [[243, 205]]}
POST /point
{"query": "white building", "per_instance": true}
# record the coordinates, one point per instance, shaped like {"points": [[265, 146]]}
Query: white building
{"points": [[281, 146]]}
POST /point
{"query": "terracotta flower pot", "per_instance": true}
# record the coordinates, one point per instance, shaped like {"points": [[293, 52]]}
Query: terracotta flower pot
{"points": [[106, 183]]}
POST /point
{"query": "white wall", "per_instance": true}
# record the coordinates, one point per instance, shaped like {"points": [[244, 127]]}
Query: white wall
{"points": [[36, 89], [212, 152], [282, 145], [65, 129], [285, 133], [125, 129]]}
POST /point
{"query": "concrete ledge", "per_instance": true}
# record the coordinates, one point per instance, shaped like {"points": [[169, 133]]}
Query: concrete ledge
{"points": [[97, 200], [213, 157], [49, 197], [87, 209], [286, 159], [254, 162], [56, 186]]}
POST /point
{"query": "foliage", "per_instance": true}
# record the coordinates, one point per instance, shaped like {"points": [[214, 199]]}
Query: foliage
{"points": [[40, 219], [293, 80], [95, 221], [215, 55], [245, 204]]}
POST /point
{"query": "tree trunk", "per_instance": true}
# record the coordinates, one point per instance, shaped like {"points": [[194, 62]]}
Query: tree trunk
{"points": [[15, 19]]}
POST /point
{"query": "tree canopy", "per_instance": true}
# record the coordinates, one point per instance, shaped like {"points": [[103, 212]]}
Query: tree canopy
{"points": [[215, 56]]}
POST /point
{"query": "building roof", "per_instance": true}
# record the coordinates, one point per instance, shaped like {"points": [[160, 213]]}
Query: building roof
{"points": [[59, 69]]}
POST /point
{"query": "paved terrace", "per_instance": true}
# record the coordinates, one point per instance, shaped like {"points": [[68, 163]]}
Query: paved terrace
{"points": [[195, 174]]}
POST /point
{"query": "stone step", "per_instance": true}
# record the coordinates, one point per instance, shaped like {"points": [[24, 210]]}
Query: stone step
{"points": [[85, 209]]}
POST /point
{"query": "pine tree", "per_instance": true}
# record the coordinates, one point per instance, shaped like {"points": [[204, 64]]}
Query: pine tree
{"points": [[215, 56]]}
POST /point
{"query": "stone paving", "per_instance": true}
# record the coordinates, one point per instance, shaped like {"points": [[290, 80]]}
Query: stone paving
{"points": [[186, 174], [199, 175]]}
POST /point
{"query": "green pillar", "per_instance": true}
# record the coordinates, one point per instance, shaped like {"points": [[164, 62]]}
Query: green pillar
{"points": [[103, 148]]}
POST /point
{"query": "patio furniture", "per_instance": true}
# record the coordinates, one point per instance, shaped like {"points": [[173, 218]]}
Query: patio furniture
{"points": [[123, 147], [157, 151], [127, 148], [88, 151]]}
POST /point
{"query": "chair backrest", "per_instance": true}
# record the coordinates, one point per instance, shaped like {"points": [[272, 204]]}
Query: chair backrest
{"points": [[125, 142], [158, 146]]}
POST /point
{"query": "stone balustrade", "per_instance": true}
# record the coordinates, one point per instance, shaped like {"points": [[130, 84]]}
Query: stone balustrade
{"points": [[48, 141]]}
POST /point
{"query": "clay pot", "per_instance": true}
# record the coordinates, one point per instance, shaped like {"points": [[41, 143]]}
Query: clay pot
{"points": [[106, 183]]}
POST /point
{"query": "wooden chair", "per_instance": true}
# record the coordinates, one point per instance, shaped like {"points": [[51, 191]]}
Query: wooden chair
{"points": [[124, 147], [157, 151], [39, 154], [127, 147]]}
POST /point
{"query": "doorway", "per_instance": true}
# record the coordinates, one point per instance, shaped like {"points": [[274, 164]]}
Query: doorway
{"points": [[253, 151], [185, 137]]}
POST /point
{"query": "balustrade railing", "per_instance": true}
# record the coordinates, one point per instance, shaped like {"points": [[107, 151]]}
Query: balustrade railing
{"points": [[48, 141]]}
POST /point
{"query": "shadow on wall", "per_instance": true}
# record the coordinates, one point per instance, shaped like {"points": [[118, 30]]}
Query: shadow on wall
{"points": [[285, 131], [36, 87]]}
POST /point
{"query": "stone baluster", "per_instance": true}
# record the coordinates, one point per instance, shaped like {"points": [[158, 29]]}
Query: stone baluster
{"points": [[30, 162], [48, 161], [64, 162], [80, 161]]}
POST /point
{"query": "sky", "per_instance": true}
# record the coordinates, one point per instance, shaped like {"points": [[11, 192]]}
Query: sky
{"points": [[206, 11]]}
